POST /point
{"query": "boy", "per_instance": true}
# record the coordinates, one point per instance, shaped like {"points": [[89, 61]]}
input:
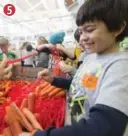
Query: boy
{"points": [[103, 74]]}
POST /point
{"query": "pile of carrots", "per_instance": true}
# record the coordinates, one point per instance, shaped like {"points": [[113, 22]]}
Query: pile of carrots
{"points": [[43, 90], [43, 101], [46, 90], [5, 87], [17, 120]]}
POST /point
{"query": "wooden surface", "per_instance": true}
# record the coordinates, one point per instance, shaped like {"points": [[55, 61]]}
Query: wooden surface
{"points": [[25, 73]]}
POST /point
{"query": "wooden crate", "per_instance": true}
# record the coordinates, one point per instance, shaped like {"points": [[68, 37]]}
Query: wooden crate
{"points": [[25, 73]]}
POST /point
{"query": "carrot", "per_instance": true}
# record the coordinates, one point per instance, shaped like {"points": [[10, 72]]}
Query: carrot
{"points": [[3, 100], [10, 116], [6, 91], [46, 87], [16, 128], [31, 102], [37, 115], [44, 90], [6, 119], [44, 96], [43, 85], [6, 88], [7, 132], [54, 92], [24, 104], [48, 90], [21, 118], [32, 119], [60, 94], [1, 94], [39, 88]]}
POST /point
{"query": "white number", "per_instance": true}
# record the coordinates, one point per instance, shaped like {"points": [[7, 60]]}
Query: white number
{"points": [[9, 10]]}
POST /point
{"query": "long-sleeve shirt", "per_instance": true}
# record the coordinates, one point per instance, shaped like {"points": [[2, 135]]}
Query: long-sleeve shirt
{"points": [[104, 78]]}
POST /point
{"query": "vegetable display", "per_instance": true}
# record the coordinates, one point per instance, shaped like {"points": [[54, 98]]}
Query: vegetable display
{"points": [[38, 98]]}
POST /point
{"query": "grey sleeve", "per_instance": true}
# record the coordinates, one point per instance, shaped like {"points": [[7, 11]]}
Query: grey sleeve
{"points": [[113, 90], [82, 56]]}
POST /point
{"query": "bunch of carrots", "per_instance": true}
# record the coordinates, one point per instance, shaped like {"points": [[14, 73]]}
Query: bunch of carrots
{"points": [[46, 90], [5, 87], [43, 101], [17, 120], [45, 113], [43, 90]]}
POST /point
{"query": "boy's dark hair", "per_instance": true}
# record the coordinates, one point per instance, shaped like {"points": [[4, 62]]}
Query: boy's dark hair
{"points": [[114, 13], [77, 35]]}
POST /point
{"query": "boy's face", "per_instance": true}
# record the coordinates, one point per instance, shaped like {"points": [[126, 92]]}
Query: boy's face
{"points": [[82, 42], [97, 38]]}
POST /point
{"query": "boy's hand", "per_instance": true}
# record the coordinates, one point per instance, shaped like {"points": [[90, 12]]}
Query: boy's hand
{"points": [[46, 75], [65, 68]]}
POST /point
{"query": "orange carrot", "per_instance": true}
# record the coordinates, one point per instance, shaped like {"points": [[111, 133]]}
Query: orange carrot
{"points": [[54, 92], [7, 132], [44, 96], [6, 119], [1, 94], [10, 116], [32, 119], [16, 113], [46, 87], [47, 90], [3, 100], [37, 90], [31, 102], [24, 104], [16, 128], [6, 91], [40, 88], [60, 94], [43, 85], [37, 115], [43, 91]]}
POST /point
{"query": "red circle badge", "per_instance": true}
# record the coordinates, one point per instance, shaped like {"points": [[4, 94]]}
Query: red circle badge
{"points": [[9, 9]]}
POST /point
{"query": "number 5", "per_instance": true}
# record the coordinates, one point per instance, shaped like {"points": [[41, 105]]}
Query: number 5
{"points": [[9, 10]]}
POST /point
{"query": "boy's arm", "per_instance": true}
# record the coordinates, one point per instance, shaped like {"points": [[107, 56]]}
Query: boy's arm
{"points": [[103, 121], [61, 82], [109, 115]]}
